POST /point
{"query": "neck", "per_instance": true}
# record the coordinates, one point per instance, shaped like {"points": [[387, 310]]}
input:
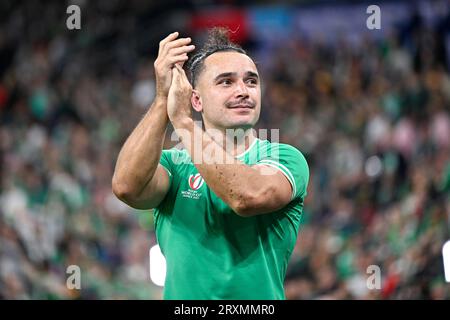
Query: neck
{"points": [[233, 140]]}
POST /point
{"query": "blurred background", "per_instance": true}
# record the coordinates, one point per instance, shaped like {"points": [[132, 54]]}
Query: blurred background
{"points": [[368, 108]]}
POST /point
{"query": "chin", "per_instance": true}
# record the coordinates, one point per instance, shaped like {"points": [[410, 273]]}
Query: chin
{"points": [[240, 124]]}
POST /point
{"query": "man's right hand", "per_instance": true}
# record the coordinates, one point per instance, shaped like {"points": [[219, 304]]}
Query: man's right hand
{"points": [[171, 51]]}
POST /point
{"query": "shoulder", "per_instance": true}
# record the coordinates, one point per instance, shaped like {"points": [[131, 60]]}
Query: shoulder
{"points": [[176, 156], [284, 151], [175, 150], [287, 148], [291, 162], [294, 152]]}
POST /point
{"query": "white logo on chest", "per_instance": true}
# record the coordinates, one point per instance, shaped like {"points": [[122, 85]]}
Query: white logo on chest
{"points": [[195, 182]]}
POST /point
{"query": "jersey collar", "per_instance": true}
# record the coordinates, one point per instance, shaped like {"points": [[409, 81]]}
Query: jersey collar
{"points": [[248, 149]]}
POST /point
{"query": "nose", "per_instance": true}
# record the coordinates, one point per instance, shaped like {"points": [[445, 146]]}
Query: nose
{"points": [[241, 90]]}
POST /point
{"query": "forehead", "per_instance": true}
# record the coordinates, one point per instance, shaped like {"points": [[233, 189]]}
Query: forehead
{"points": [[221, 62]]}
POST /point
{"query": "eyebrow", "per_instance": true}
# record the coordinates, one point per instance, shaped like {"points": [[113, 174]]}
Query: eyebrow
{"points": [[234, 74]]}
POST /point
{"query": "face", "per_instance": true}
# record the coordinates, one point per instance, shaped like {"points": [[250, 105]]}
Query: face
{"points": [[228, 91]]}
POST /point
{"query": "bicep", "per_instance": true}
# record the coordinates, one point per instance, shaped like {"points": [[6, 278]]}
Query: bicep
{"points": [[276, 193], [154, 192]]}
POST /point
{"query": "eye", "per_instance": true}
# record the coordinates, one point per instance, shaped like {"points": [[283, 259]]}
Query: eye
{"points": [[225, 82], [252, 81]]}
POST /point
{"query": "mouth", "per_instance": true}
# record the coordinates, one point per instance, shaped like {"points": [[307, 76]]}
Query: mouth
{"points": [[242, 109], [242, 106]]}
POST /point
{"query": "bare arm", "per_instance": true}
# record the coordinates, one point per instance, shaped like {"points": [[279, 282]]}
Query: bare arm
{"points": [[248, 190], [139, 180]]}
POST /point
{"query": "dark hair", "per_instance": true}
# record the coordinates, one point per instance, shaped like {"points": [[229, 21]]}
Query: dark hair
{"points": [[218, 40]]}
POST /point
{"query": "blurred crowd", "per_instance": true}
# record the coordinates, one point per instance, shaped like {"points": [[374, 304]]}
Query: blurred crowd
{"points": [[373, 122]]}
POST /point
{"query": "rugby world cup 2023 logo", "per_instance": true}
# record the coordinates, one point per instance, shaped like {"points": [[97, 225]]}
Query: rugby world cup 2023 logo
{"points": [[195, 181]]}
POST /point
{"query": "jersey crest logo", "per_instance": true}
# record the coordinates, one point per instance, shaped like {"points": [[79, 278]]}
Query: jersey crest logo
{"points": [[195, 181]]}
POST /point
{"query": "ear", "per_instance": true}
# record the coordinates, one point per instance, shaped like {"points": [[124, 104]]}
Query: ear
{"points": [[196, 101]]}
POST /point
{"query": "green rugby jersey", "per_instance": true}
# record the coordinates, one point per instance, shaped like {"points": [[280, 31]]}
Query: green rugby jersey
{"points": [[210, 251]]}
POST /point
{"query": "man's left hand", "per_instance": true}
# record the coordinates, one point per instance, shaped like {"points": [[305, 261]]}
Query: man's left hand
{"points": [[179, 98]]}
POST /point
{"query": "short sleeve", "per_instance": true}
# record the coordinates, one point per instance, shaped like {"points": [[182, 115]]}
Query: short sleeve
{"points": [[170, 160], [167, 163], [291, 162]]}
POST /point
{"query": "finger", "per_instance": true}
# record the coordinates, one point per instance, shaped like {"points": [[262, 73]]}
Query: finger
{"points": [[177, 67], [180, 70], [180, 54], [177, 59], [174, 44], [178, 77], [179, 50], [168, 63], [182, 73], [169, 38], [176, 70], [184, 81], [175, 74]]}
